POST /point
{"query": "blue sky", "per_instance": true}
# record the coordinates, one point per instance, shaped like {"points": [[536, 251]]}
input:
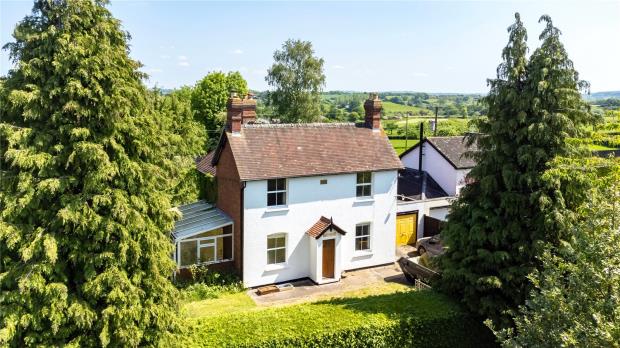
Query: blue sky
{"points": [[433, 46]]}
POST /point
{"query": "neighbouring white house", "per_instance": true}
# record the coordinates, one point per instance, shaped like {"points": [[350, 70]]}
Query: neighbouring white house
{"points": [[426, 188], [294, 200]]}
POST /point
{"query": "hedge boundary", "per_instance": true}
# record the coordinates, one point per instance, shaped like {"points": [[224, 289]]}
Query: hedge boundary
{"points": [[439, 322]]}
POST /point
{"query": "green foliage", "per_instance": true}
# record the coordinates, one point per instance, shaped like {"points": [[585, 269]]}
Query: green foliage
{"points": [[500, 222], [298, 78], [185, 142], [576, 296], [405, 319], [85, 219], [209, 98]]}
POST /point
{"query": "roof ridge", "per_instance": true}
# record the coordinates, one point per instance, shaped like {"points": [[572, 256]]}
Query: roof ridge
{"points": [[299, 125]]}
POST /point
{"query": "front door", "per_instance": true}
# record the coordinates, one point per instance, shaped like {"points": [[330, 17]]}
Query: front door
{"points": [[406, 228], [329, 256]]}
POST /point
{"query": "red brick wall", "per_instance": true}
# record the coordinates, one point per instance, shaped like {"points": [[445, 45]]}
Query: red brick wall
{"points": [[229, 199]]}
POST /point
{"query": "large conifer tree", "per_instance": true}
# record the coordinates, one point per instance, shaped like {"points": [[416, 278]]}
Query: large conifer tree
{"points": [[499, 223], [84, 250]]}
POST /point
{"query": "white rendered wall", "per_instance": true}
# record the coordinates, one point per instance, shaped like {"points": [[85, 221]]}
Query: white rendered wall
{"points": [[425, 207], [308, 200], [436, 165], [439, 213], [461, 174]]}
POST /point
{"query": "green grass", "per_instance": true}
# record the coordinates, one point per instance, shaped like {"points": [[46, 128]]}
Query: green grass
{"points": [[596, 147], [311, 319], [399, 144], [393, 108], [224, 304]]}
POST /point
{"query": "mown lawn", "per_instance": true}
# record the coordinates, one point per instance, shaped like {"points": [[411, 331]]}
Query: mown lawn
{"points": [[400, 145], [247, 325]]}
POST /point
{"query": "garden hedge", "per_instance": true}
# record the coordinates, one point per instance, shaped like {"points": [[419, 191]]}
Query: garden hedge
{"points": [[405, 319]]}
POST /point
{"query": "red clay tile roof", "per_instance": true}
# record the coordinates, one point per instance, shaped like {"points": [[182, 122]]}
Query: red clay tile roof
{"points": [[203, 164], [322, 226], [266, 151]]}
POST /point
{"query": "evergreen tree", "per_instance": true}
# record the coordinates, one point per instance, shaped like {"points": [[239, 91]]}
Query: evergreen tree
{"points": [[498, 225], [298, 79], [576, 296], [186, 138], [85, 212]]}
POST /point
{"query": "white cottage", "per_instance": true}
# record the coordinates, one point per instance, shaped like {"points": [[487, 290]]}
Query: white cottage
{"points": [[296, 200]]}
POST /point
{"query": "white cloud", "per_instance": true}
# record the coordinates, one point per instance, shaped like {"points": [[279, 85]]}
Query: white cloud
{"points": [[337, 67], [183, 63], [238, 51], [182, 57], [164, 56], [419, 74]]}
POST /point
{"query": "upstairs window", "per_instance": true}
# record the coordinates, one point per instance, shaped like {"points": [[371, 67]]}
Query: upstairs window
{"points": [[276, 192], [364, 184], [362, 237]]}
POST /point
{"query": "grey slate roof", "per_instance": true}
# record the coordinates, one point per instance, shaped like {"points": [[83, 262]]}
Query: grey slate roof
{"points": [[199, 217], [410, 184], [453, 149]]}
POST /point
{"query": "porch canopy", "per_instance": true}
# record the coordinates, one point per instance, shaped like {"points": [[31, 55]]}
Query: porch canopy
{"points": [[323, 225], [203, 235]]}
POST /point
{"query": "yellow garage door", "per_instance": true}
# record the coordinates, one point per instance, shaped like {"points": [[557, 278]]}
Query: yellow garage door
{"points": [[406, 228]]}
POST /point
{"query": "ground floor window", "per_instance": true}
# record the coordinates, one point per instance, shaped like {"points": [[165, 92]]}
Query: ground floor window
{"points": [[276, 249], [207, 247], [362, 237]]}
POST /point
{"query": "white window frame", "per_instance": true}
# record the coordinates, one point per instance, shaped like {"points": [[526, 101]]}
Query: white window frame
{"points": [[276, 191], [369, 235], [369, 184], [210, 241], [277, 235]]}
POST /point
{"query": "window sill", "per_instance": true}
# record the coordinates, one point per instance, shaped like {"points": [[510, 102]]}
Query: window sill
{"points": [[276, 267], [363, 253], [364, 200], [277, 208]]}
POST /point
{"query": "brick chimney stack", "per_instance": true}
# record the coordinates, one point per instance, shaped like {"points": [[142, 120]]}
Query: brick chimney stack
{"points": [[234, 112], [240, 111], [372, 106], [249, 109]]}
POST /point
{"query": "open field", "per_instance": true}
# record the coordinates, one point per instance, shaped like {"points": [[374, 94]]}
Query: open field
{"points": [[393, 108], [401, 145]]}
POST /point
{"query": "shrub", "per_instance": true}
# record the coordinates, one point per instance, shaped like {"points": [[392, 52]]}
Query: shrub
{"points": [[205, 284]]}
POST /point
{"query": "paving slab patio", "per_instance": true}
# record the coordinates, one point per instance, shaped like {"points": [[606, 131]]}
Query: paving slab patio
{"points": [[306, 291]]}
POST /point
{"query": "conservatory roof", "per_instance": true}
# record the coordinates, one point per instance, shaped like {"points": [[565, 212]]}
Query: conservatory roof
{"points": [[199, 217]]}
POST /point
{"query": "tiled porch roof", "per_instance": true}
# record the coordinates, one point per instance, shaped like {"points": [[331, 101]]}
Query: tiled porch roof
{"points": [[322, 226]]}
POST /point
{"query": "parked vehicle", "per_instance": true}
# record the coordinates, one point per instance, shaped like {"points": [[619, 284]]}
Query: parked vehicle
{"points": [[431, 245], [413, 269]]}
